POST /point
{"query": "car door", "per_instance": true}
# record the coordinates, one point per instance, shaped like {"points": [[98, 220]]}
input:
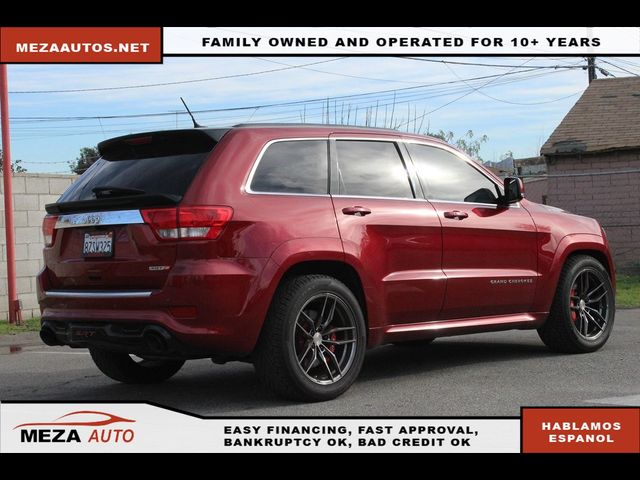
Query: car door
{"points": [[489, 250], [392, 237]]}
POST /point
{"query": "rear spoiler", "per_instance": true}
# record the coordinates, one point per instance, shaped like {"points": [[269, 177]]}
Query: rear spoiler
{"points": [[158, 144]]}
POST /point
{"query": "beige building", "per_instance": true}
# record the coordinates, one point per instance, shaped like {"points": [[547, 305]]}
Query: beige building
{"points": [[593, 162]]}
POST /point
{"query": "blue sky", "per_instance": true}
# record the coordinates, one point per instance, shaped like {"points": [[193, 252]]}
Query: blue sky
{"points": [[516, 111]]}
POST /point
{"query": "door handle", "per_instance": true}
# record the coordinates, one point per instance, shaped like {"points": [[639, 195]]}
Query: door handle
{"points": [[357, 210], [457, 214]]}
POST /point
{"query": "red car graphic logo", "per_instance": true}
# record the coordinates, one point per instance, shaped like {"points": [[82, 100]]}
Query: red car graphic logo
{"points": [[107, 419]]}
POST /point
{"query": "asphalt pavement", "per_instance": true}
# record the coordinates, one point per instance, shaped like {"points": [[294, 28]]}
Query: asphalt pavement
{"points": [[482, 374]]}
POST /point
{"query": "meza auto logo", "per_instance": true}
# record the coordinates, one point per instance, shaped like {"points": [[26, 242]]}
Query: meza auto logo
{"points": [[86, 426]]}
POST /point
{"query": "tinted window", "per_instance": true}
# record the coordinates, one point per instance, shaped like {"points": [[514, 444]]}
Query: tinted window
{"points": [[293, 167], [160, 163], [373, 169], [447, 177]]}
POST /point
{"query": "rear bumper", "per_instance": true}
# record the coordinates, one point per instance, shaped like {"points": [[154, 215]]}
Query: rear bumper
{"points": [[138, 338], [226, 295], [124, 330]]}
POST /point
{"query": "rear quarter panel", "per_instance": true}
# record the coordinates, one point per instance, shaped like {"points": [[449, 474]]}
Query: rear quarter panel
{"points": [[261, 222], [282, 230]]}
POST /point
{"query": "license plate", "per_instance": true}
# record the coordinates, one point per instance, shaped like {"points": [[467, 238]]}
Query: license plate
{"points": [[97, 244]]}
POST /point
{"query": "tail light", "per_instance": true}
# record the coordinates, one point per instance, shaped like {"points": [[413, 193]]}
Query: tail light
{"points": [[49, 229], [187, 222]]}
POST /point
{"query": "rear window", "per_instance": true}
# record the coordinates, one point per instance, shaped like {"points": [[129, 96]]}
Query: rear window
{"points": [[162, 163], [297, 166]]}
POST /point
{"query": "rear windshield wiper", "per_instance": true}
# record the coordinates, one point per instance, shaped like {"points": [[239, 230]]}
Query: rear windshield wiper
{"points": [[114, 202], [106, 191]]}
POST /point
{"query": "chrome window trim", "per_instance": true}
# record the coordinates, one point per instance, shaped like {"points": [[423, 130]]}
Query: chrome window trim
{"points": [[94, 219], [251, 192], [256, 163], [98, 293], [494, 205], [409, 166], [382, 198]]}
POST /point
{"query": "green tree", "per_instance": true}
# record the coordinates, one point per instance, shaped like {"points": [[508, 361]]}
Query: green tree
{"points": [[87, 156], [16, 166], [468, 143]]}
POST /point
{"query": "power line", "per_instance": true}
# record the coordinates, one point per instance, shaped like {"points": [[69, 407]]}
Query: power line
{"points": [[410, 94], [180, 82], [74, 134], [252, 107], [452, 62], [509, 101], [620, 68], [406, 98], [627, 62], [462, 96], [287, 115], [44, 163], [293, 114], [340, 74]]}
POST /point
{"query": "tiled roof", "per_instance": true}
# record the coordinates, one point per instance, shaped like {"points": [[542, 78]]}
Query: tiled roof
{"points": [[606, 117]]}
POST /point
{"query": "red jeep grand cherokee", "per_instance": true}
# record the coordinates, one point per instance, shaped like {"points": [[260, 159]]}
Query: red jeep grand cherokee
{"points": [[297, 247]]}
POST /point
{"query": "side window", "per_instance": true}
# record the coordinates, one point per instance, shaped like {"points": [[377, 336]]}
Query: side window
{"points": [[447, 177], [371, 169], [299, 166]]}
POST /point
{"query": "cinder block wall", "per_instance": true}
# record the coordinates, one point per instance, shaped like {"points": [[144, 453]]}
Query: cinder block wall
{"points": [[31, 191], [536, 189], [614, 200]]}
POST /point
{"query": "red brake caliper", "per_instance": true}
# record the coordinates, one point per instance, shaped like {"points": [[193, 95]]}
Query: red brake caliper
{"points": [[332, 347], [572, 303]]}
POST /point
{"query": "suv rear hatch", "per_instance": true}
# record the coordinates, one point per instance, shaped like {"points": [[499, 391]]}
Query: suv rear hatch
{"points": [[98, 235]]}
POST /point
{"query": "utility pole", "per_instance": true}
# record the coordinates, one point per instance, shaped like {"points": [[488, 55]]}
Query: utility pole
{"points": [[591, 61], [12, 296], [591, 68]]}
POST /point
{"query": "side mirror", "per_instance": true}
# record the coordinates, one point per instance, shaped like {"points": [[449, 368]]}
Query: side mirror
{"points": [[513, 190]]}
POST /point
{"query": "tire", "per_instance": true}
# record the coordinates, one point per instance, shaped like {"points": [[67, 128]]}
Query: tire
{"points": [[414, 343], [288, 345], [572, 325], [123, 368]]}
